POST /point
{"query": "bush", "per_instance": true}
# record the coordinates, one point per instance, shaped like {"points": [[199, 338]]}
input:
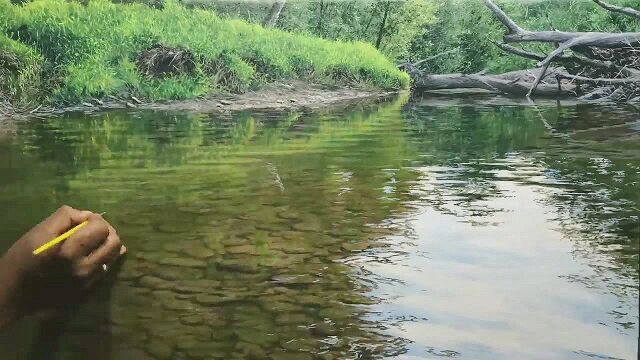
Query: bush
{"points": [[99, 48], [20, 69]]}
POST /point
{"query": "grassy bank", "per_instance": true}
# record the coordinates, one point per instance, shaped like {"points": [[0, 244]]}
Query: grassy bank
{"points": [[65, 52]]}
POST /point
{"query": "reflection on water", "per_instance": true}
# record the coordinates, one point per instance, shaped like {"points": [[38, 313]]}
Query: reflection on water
{"points": [[416, 229]]}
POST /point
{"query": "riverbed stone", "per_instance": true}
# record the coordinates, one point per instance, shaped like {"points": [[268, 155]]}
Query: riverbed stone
{"points": [[356, 246], [324, 328], [193, 319], [171, 227], [240, 249], [251, 351], [283, 355], [121, 353], [234, 240], [211, 299], [153, 282], [196, 286], [288, 214], [182, 261], [176, 273], [293, 318], [176, 304], [244, 265], [199, 252], [301, 345], [255, 336], [307, 226], [207, 350], [159, 348], [294, 279]]}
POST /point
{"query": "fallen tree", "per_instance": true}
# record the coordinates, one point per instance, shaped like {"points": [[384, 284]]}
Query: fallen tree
{"points": [[593, 65]]}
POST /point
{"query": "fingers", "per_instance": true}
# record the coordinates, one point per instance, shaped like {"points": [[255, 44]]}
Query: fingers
{"points": [[109, 252], [87, 239], [103, 258], [65, 218]]}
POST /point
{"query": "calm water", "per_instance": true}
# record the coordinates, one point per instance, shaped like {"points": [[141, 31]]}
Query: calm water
{"points": [[418, 228]]}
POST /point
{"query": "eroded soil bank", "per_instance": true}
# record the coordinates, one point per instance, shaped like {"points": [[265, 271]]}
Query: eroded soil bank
{"points": [[291, 96]]}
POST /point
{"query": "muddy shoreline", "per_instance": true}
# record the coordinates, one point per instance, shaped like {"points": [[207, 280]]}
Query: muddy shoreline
{"points": [[277, 97]]}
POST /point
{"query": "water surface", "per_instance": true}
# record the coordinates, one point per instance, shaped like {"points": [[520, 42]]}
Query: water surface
{"points": [[418, 228]]}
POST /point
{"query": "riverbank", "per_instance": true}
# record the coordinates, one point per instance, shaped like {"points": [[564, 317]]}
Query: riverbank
{"points": [[277, 97], [62, 53]]}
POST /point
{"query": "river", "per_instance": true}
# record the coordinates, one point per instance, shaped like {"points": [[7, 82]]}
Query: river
{"points": [[424, 227]]}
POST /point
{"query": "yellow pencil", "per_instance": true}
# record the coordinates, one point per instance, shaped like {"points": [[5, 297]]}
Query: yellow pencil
{"points": [[59, 239]]}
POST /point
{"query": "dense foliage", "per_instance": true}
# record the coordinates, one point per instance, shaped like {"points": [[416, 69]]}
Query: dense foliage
{"points": [[462, 30], [72, 52], [466, 28], [388, 25]]}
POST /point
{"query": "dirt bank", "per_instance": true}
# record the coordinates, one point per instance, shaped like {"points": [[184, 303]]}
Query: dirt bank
{"points": [[291, 96]]}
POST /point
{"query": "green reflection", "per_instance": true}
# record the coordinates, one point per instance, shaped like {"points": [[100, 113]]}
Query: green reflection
{"points": [[239, 227]]}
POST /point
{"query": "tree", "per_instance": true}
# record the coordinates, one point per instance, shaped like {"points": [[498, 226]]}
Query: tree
{"points": [[274, 14], [596, 64]]}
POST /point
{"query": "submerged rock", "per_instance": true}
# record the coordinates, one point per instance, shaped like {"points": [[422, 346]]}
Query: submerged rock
{"points": [[282, 355], [160, 349], [207, 350], [356, 246], [176, 273], [241, 249], [251, 351], [153, 282], [181, 261], [194, 319]]}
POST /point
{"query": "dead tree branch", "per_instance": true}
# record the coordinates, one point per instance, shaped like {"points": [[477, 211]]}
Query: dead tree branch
{"points": [[600, 81], [599, 39], [436, 56], [563, 40], [604, 65], [567, 59], [509, 83], [619, 9]]}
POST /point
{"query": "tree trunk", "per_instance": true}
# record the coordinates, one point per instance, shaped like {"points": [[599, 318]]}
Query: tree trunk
{"points": [[492, 83], [274, 14], [320, 18], [613, 43], [382, 25], [606, 65]]}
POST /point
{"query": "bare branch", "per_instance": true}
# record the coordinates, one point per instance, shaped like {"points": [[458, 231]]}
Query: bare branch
{"points": [[504, 19], [547, 61], [570, 59], [604, 81], [599, 39], [539, 77], [619, 9], [420, 62]]}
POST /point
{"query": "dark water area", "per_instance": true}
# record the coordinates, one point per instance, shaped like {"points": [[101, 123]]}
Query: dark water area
{"points": [[418, 228]]}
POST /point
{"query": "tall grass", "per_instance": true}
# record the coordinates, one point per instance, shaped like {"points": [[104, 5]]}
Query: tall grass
{"points": [[92, 51]]}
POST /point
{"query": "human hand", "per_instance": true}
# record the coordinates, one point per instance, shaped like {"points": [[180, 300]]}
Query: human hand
{"points": [[62, 273]]}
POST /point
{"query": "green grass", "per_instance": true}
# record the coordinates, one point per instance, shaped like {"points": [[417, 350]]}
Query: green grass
{"points": [[77, 52]]}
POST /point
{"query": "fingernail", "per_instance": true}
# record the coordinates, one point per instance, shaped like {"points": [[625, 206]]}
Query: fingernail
{"points": [[123, 250]]}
